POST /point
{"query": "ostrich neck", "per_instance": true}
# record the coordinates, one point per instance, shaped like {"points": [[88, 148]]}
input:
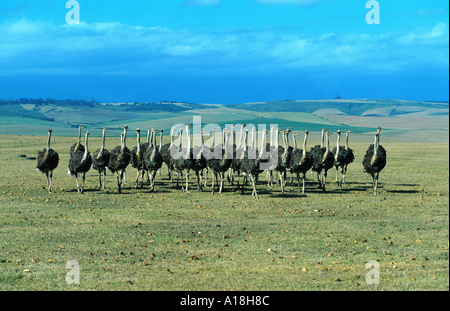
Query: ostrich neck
{"points": [[263, 144], [304, 144], [375, 146], [322, 139], [295, 143], [346, 141], [138, 142], [241, 138], [328, 144], [48, 140], [227, 138], [188, 134], [103, 141], [160, 140], [253, 141], [284, 141], [337, 145], [86, 148]]}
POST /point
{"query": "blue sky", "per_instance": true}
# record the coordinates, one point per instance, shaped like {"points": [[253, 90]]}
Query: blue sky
{"points": [[224, 51]]}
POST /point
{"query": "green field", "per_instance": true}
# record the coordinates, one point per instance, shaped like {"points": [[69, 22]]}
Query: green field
{"points": [[169, 240]]}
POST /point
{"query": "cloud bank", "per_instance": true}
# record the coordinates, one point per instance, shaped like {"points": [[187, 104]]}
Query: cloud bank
{"points": [[29, 47]]}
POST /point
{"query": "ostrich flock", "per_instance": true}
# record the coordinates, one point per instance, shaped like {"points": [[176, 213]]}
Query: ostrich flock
{"points": [[243, 159]]}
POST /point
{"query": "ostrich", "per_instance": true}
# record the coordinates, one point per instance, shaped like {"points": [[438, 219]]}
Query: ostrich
{"points": [[137, 158], [80, 163], [238, 156], [300, 162], [153, 159], [119, 159], [166, 155], [77, 146], [124, 177], [233, 144], [251, 167], [184, 160], [269, 152], [100, 160], [221, 165], [211, 153], [374, 161], [323, 161], [279, 159], [322, 140], [47, 161], [198, 161], [342, 157]]}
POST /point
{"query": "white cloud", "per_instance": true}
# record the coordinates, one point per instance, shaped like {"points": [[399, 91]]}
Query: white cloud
{"points": [[33, 47]]}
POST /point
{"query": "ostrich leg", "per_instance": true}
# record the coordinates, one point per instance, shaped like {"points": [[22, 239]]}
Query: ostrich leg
{"points": [[82, 182], [221, 183]]}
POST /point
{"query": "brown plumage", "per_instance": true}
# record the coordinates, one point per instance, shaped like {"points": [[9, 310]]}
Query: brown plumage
{"points": [[152, 159], [47, 161], [80, 162], [77, 146], [374, 161], [300, 162], [119, 159], [323, 160], [100, 159], [220, 165]]}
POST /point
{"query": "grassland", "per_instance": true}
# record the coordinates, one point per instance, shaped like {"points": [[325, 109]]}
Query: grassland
{"points": [[169, 240]]}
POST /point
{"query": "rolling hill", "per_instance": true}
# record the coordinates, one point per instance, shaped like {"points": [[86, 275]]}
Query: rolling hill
{"points": [[402, 120]]}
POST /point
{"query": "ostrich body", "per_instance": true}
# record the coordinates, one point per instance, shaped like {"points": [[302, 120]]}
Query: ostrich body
{"points": [[198, 161], [80, 162], [374, 161], [251, 167], [47, 161], [119, 159], [166, 154], [323, 160], [300, 162], [184, 160], [342, 158], [100, 159], [238, 156], [153, 159], [137, 158], [279, 159], [77, 146], [221, 165]]}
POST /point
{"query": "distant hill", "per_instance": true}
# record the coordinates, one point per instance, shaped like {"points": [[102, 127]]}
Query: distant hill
{"points": [[401, 120], [352, 107]]}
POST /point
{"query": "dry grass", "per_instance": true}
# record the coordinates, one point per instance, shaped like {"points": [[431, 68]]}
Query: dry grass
{"points": [[169, 240]]}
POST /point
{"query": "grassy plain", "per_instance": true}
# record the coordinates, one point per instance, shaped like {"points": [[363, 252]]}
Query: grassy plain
{"points": [[169, 240]]}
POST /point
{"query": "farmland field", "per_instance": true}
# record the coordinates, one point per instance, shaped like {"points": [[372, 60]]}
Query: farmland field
{"points": [[170, 240]]}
